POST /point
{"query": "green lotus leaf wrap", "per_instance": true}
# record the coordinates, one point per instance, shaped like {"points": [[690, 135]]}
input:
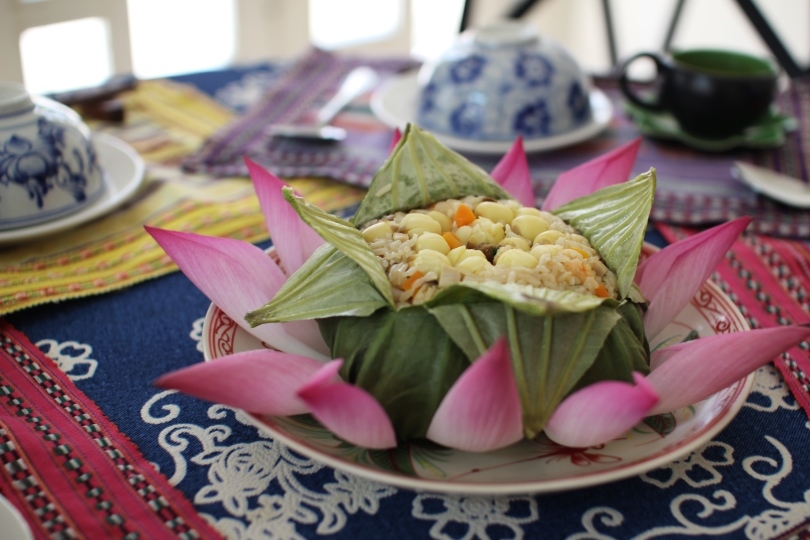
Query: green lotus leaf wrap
{"points": [[421, 171], [408, 356], [610, 220]]}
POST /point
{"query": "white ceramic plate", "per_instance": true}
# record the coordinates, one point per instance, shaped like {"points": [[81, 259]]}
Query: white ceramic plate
{"points": [[785, 189], [12, 524], [124, 170], [395, 104], [530, 466]]}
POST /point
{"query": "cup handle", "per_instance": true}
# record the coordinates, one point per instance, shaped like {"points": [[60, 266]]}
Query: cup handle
{"points": [[654, 102]]}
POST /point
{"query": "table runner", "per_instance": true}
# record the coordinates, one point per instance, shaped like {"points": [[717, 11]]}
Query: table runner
{"points": [[304, 86], [694, 188], [767, 278], [67, 469]]}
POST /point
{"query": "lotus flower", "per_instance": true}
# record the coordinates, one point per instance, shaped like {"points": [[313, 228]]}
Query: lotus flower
{"points": [[473, 376]]}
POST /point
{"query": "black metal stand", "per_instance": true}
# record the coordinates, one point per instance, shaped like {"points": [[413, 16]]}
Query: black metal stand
{"points": [[762, 27], [777, 48]]}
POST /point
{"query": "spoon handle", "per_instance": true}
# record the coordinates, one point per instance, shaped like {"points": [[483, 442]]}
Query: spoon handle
{"points": [[356, 82]]}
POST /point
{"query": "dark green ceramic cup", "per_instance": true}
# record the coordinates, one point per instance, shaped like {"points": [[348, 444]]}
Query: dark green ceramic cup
{"points": [[711, 93]]}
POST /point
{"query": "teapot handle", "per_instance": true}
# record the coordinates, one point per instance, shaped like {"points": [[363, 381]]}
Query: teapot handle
{"points": [[653, 102]]}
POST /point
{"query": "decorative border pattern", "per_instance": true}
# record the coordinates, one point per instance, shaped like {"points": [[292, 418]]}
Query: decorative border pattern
{"points": [[98, 484]]}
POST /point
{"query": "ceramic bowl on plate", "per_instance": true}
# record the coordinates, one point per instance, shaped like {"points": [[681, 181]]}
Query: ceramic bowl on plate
{"points": [[502, 81], [48, 165]]}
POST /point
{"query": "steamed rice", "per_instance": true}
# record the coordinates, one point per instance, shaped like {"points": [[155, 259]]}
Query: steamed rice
{"points": [[419, 264]]}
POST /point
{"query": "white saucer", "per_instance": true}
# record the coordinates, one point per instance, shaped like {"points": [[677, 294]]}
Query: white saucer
{"points": [[395, 104], [12, 524], [125, 172], [785, 189]]}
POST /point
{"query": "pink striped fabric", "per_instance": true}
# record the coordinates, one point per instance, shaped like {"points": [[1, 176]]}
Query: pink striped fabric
{"points": [[69, 470], [769, 279]]}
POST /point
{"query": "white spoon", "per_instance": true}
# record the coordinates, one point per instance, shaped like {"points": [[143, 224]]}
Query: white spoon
{"points": [[356, 82], [785, 189]]}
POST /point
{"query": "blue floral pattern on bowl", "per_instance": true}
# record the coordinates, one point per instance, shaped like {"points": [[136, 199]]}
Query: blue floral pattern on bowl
{"points": [[467, 70], [48, 164], [490, 90], [533, 120], [467, 119], [535, 69], [38, 165], [579, 103]]}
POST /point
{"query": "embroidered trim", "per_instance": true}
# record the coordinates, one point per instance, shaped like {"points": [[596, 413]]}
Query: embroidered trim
{"points": [[104, 483]]}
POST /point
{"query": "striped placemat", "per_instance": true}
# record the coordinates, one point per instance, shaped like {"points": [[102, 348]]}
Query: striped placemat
{"points": [[79, 476], [305, 85], [165, 122]]}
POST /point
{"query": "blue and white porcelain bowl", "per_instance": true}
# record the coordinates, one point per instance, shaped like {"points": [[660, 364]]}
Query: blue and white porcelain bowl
{"points": [[501, 81], [48, 166]]}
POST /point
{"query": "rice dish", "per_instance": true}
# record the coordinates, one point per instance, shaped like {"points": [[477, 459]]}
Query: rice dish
{"points": [[482, 239], [440, 263]]}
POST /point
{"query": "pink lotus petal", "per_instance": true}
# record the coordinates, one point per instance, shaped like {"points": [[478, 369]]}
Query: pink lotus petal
{"points": [[293, 239], [670, 277], [238, 277], [611, 168], [512, 173], [349, 412], [481, 412], [689, 372], [395, 140], [260, 381], [600, 412]]}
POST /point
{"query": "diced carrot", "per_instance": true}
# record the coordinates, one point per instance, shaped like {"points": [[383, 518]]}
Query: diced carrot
{"points": [[451, 239], [602, 292], [464, 215], [411, 280]]}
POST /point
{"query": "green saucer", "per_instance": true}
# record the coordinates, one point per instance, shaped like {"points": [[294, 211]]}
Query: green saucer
{"points": [[768, 133]]}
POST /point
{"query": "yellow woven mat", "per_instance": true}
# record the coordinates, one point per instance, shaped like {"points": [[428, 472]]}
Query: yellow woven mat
{"points": [[165, 121]]}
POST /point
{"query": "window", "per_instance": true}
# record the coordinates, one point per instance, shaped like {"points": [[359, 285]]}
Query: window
{"points": [[181, 36], [66, 55], [335, 25]]}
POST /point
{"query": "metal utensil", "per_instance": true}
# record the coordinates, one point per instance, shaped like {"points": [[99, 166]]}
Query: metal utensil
{"points": [[356, 82]]}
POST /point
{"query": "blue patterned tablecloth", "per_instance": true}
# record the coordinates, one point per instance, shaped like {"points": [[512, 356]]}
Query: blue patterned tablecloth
{"points": [[751, 481]]}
